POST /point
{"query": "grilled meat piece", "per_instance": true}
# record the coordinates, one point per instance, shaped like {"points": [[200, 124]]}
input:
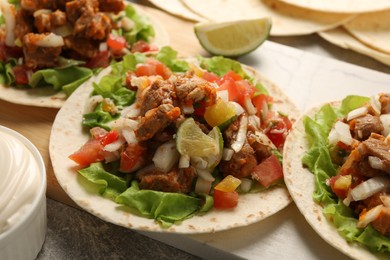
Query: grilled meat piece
{"points": [[92, 25], [380, 149], [82, 46], [382, 222], [23, 24], [76, 8], [114, 6], [366, 125], [46, 22], [33, 5], [156, 120], [177, 180], [262, 149], [384, 99], [241, 165], [160, 92], [36, 56]]}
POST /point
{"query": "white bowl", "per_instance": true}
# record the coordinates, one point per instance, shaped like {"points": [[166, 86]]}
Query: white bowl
{"points": [[22, 237]]}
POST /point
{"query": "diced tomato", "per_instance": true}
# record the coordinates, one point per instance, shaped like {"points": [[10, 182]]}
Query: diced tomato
{"points": [[261, 103], [340, 185], [225, 200], [237, 87], [20, 74], [268, 171], [152, 67], [101, 60], [209, 76], [90, 152], [116, 42], [244, 89], [110, 137], [142, 46], [277, 133], [130, 157]]}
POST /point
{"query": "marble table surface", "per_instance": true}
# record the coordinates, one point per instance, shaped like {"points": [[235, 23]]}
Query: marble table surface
{"points": [[75, 234]]}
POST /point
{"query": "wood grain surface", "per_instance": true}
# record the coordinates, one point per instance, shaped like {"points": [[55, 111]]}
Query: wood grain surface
{"points": [[35, 122]]}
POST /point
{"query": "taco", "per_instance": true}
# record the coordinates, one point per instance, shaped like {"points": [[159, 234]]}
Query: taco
{"points": [[49, 48], [335, 168], [170, 143]]}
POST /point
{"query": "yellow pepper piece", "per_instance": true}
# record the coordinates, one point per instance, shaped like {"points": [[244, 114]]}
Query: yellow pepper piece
{"points": [[219, 113], [228, 184]]}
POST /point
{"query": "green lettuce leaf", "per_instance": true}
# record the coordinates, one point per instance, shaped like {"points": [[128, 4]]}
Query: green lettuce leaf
{"points": [[142, 29], [221, 65], [98, 118], [168, 56], [165, 207]]}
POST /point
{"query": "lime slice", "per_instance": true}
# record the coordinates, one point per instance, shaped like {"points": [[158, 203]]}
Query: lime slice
{"points": [[191, 141], [214, 159], [233, 38]]}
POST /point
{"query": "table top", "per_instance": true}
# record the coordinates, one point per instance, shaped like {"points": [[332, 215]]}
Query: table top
{"points": [[73, 233]]}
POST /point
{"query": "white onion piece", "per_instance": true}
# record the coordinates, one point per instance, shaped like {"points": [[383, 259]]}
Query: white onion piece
{"points": [[166, 156], [63, 31], [368, 188], [376, 163], [348, 199], [92, 103], [8, 12], [264, 139], [238, 107], [254, 121], [385, 120], [246, 184], [250, 108], [131, 111], [187, 109], [376, 104], [103, 46], [205, 174], [385, 200], [184, 161], [227, 154], [114, 146], [223, 94], [358, 112], [241, 135], [199, 162], [41, 11], [369, 216], [126, 23], [129, 136], [202, 186], [51, 40], [340, 132], [111, 156]]}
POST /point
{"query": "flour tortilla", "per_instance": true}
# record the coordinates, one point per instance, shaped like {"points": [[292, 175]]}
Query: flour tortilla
{"points": [[177, 8], [67, 136], [342, 6], [300, 183], [373, 29], [47, 97], [287, 20], [343, 39]]}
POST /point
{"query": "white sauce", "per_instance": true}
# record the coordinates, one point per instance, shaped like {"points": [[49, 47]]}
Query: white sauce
{"points": [[20, 179]]}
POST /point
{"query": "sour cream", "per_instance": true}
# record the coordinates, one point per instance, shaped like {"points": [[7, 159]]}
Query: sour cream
{"points": [[20, 179]]}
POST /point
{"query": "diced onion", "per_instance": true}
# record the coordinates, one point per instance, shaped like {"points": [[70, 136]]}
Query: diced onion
{"points": [[131, 111], [385, 120], [369, 216], [187, 109], [241, 135], [8, 12], [385, 200], [348, 199], [376, 163], [129, 135], [341, 133], [63, 31], [246, 184], [166, 156], [250, 108], [184, 161], [358, 112], [223, 94], [114, 146], [368, 188], [103, 46], [205, 174], [51, 40], [202, 186], [199, 162], [127, 24], [238, 107], [376, 104], [227, 154], [254, 121]]}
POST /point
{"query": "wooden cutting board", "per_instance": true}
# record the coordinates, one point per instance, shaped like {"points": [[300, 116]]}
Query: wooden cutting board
{"points": [[35, 122]]}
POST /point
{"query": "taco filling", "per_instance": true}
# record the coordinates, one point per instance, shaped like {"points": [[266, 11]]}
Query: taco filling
{"points": [[350, 157], [60, 43], [202, 132]]}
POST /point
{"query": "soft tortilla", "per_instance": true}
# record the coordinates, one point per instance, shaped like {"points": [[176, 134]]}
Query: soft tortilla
{"points": [[342, 6], [286, 19], [177, 8], [67, 136], [300, 183], [343, 39], [373, 29], [47, 97]]}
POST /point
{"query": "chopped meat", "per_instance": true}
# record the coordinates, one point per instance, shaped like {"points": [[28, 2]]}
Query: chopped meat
{"points": [[23, 24], [114, 6], [177, 180], [380, 149], [93, 25], [46, 22], [262, 149], [384, 99], [155, 120], [82, 46], [230, 134], [366, 125], [241, 165], [75, 9], [382, 223], [364, 168], [33, 5], [36, 56], [192, 89], [160, 92]]}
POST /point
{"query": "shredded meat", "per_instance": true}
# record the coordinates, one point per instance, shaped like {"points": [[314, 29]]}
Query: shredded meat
{"points": [[380, 149], [177, 180], [155, 120], [33, 5], [75, 9], [39, 57], [46, 22], [92, 25], [160, 92], [366, 125]]}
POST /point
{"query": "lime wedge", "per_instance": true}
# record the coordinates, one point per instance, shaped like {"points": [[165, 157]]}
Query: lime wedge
{"points": [[191, 141], [214, 159], [233, 38]]}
